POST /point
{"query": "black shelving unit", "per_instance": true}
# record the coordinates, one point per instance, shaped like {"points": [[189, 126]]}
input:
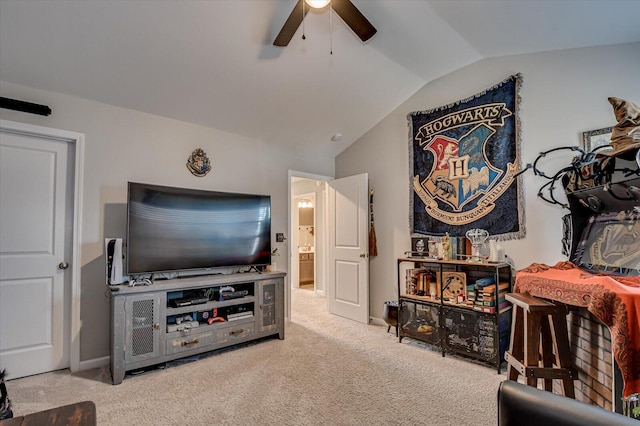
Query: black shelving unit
{"points": [[448, 324]]}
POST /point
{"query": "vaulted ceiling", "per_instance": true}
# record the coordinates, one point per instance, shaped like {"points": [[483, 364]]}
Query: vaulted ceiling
{"points": [[213, 63]]}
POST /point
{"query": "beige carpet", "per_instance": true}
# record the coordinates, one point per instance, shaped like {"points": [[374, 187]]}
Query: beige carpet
{"points": [[327, 371]]}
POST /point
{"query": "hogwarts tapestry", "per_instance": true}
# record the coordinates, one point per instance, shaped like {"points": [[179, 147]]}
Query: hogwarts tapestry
{"points": [[463, 164]]}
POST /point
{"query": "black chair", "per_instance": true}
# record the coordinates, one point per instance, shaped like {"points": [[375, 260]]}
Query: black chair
{"points": [[521, 405]]}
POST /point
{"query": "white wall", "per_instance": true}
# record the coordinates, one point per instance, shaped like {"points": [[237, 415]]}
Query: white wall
{"points": [[564, 93], [123, 145]]}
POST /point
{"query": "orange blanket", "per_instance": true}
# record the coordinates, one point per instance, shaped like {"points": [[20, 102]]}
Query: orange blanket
{"points": [[614, 300]]}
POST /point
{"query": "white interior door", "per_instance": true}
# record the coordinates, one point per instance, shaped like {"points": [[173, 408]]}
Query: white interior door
{"points": [[34, 282], [348, 254]]}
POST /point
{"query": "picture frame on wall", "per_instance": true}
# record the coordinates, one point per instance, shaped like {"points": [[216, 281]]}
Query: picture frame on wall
{"points": [[593, 139], [420, 246]]}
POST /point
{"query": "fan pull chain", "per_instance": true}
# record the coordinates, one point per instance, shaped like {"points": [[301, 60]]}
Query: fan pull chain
{"points": [[330, 28], [303, 36]]}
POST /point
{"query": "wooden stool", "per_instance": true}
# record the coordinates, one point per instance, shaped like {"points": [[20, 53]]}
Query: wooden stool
{"points": [[539, 347]]}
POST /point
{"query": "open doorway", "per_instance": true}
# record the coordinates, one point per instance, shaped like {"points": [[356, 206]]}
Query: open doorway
{"points": [[307, 234], [306, 240], [341, 259]]}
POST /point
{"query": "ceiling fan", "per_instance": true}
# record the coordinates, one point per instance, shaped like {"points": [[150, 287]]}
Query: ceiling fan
{"points": [[344, 8]]}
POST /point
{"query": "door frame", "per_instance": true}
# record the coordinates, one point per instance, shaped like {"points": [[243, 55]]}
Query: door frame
{"points": [[290, 248], [77, 141]]}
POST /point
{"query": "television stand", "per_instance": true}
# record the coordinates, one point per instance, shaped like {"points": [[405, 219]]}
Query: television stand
{"points": [[152, 325]]}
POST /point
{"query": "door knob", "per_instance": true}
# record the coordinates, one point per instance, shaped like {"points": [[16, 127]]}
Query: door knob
{"points": [[363, 255], [63, 265]]}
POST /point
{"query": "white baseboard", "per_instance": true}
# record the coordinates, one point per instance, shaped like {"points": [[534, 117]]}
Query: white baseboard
{"points": [[376, 321], [94, 363]]}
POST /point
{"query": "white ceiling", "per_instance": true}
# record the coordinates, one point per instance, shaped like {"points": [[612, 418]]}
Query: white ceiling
{"points": [[213, 63]]}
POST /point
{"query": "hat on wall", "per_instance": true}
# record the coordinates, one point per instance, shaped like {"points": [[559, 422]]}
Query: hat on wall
{"points": [[626, 134]]}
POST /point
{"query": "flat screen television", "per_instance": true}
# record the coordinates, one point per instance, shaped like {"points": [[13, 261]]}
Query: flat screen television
{"points": [[173, 229]]}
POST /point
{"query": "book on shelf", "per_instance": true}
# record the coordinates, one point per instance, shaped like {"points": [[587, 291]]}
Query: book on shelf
{"points": [[492, 294], [491, 309], [471, 292], [492, 298], [454, 249], [485, 281], [490, 290], [461, 247], [483, 284], [418, 280], [502, 293], [503, 286], [492, 302], [411, 282], [455, 244], [484, 290]]}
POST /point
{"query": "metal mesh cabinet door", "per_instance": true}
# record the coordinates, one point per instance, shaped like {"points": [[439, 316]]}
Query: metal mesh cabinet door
{"points": [[142, 327], [271, 315], [420, 321]]}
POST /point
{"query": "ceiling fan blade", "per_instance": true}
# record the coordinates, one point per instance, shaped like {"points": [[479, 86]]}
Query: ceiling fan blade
{"points": [[291, 25], [354, 19]]}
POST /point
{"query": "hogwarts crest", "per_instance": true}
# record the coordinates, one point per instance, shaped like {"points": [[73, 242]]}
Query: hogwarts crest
{"points": [[198, 163], [461, 173]]}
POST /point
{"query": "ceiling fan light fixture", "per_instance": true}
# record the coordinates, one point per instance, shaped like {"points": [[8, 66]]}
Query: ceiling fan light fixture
{"points": [[345, 9], [317, 4]]}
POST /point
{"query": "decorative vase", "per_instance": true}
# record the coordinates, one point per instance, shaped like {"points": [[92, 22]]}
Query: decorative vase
{"points": [[477, 238]]}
